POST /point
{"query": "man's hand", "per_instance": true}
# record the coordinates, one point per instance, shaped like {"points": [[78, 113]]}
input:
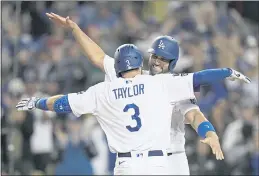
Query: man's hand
{"points": [[27, 104], [213, 141], [237, 75], [65, 22]]}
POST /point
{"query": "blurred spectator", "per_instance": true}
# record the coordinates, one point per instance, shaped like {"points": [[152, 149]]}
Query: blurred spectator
{"points": [[25, 124], [76, 75], [237, 140], [75, 160], [131, 28], [42, 144], [254, 155], [205, 164], [96, 136], [4, 140], [36, 130], [221, 116]]}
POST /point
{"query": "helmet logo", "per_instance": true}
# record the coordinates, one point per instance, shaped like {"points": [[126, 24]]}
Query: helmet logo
{"points": [[128, 64], [161, 45]]}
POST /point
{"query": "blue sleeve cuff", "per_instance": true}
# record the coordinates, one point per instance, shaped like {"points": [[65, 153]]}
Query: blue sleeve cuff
{"points": [[61, 105], [203, 128], [42, 104]]}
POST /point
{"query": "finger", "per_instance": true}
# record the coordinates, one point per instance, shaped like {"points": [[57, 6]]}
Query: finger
{"points": [[57, 16], [25, 99], [67, 19], [219, 155], [49, 15], [53, 14], [216, 155], [19, 106], [22, 103], [244, 78], [213, 150], [21, 109], [203, 141], [222, 155], [248, 80], [53, 18]]}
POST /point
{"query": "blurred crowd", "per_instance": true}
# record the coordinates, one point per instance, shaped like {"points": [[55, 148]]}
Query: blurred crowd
{"points": [[42, 59]]}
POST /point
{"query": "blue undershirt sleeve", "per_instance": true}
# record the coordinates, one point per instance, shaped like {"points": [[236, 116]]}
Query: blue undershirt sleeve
{"points": [[210, 76], [61, 105]]}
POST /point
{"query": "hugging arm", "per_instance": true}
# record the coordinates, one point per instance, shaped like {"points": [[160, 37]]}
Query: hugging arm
{"points": [[205, 130], [193, 116], [212, 76]]}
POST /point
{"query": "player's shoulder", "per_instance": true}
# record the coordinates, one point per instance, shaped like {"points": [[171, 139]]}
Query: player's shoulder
{"points": [[107, 57], [163, 76], [99, 86]]}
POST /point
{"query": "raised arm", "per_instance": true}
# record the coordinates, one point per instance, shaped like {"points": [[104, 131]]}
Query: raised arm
{"points": [[89, 47]]}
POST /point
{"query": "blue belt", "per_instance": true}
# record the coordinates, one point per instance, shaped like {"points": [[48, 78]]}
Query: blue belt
{"points": [[150, 153]]}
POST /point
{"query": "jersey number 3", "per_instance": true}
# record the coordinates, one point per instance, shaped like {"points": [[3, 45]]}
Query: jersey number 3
{"points": [[135, 116]]}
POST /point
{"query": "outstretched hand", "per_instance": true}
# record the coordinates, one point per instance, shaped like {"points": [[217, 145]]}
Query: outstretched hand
{"points": [[64, 22], [237, 75], [214, 144], [27, 104]]}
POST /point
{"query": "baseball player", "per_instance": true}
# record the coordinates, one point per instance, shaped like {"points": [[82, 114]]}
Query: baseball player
{"points": [[139, 134], [163, 58]]}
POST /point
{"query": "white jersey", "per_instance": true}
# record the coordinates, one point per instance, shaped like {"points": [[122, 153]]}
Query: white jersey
{"points": [[178, 113], [129, 122]]}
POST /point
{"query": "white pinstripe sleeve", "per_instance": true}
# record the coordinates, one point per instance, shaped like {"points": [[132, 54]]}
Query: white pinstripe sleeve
{"points": [[109, 69]]}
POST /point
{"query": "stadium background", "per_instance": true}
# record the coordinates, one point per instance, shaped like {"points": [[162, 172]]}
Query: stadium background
{"points": [[42, 59]]}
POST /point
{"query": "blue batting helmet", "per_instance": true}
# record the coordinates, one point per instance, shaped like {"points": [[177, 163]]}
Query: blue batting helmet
{"points": [[127, 57], [166, 47]]}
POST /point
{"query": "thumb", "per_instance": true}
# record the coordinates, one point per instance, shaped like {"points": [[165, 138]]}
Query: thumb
{"points": [[205, 141], [67, 18]]}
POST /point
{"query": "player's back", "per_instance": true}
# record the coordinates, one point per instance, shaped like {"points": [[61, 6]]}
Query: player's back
{"points": [[135, 113]]}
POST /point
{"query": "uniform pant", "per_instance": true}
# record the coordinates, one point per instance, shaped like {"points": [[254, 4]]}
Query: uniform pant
{"points": [[142, 165], [178, 164]]}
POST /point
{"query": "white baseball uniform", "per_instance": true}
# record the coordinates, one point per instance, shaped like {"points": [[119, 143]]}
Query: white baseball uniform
{"points": [[177, 158], [137, 131]]}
